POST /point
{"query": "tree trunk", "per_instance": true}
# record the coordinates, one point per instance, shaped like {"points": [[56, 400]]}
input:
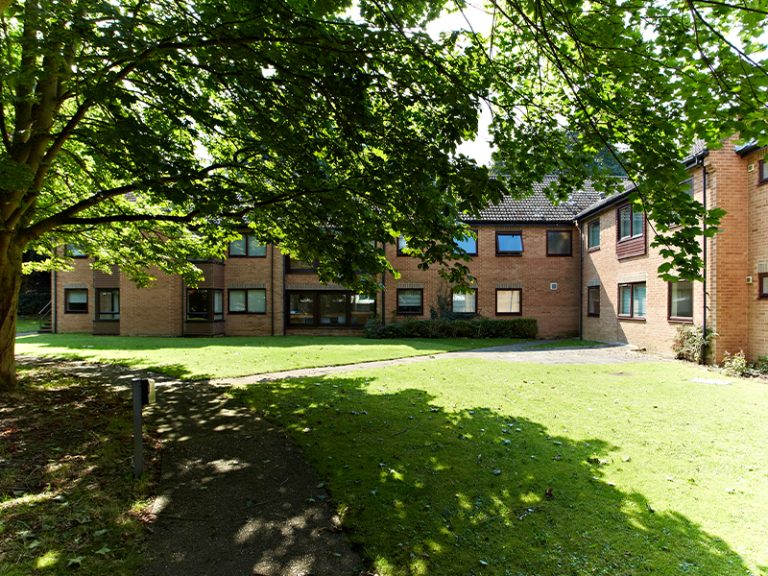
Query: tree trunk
{"points": [[10, 282]]}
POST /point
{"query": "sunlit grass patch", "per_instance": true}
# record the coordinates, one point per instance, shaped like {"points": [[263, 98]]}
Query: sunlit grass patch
{"points": [[226, 357], [479, 467]]}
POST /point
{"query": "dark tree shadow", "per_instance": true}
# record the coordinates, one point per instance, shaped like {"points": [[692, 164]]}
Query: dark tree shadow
{"points": [[427, 490]]}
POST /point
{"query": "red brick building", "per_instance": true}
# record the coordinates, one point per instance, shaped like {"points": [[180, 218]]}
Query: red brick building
{"points": [[584, 267]]}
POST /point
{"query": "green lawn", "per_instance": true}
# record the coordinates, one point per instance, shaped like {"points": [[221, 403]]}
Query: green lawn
{"points": [[236, 356], [475, 467], [27, 324]]}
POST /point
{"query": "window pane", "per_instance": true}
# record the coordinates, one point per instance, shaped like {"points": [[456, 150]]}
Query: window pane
{"points": [[257, 301], [625, 222], [333, 308], [468, 245], [76, 300], [625, 300], [594, 234], [301, 308], [254, 248], [74, 251], [298, 265], [638, 303], [558, 242], [218, 305], [237, 301], [409, 301], [401, 243], [77, 296], [637, 223], [764, 285], [681, 299], [465, 303], [363, 309], [108, 303], [511, 242], [593, 301], [508, 301], [237, 248], [197, 304]]}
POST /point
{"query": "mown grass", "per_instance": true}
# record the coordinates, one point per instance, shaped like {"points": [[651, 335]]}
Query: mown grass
{"points": [[476, 467], [68, 502], [27, 324], [192, 358]]}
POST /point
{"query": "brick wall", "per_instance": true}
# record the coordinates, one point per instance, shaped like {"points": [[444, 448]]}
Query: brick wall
{"points": [[81, 276], [758, 255], [152, 311], [729, 293], [603, 268], [556, 310], [244, 273]]}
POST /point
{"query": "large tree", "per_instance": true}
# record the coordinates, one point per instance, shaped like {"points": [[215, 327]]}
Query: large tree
{"points": [[147, 131]]}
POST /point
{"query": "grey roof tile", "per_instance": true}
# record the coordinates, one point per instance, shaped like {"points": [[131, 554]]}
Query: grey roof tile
{"points": [[538, 208]]}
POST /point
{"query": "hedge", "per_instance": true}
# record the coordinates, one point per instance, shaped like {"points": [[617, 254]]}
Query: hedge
{"points": [[475, 328]]}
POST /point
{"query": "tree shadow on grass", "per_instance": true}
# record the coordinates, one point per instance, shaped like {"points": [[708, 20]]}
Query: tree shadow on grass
{"points": [[429, 490]]}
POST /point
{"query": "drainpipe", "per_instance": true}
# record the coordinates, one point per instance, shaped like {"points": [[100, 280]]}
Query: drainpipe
{"points": [[704, 275]]}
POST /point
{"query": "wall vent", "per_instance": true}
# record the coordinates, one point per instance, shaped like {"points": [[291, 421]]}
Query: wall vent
{"points": [[553, 285], [749, 279], [751, 167]]}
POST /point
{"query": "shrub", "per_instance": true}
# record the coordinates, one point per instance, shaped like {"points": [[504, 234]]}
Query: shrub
{"points": [[689, 343], [735, 364], [444, 328]]}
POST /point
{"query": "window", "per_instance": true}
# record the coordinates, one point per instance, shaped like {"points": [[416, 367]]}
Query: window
{"points": [[410, 301], [631, 222], [464, 303], [362, 309], [632, 300], [509, 243], [593, 234], [762, 286], [468, 244], [74, 251], [247, 301], [509, 301], [558, 242], [292, 265], [402, 244], [681, 300], [75, 300], [205, 304], [687, 185], [593, 301], [247, 246], [329, 308], [762, 172], [107, 304]]}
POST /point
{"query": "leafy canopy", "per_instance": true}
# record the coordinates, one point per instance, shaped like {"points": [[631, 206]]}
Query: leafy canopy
{"points": [[149, 131]]}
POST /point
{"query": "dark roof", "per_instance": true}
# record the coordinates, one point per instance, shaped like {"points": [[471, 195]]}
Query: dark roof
{"points": [[606, 201], [537, 208]]}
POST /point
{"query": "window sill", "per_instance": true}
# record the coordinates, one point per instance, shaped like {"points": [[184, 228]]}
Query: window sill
{"points": [[75, 311], [106, 319], [594, 249], [559, 255], [509, 313], [678, 320], [509, 253], [631, 319], [593, 315]]}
